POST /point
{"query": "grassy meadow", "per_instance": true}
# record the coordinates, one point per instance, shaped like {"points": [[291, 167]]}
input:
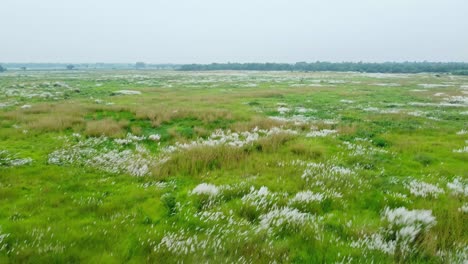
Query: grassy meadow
{"points": [[233, 167]]}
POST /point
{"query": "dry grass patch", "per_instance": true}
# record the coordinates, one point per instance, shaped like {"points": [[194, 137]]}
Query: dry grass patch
{"points": [[260, 122], [136, 130], [302, 150], [320, 125], [197, 160], [347, 129], [39, 109], [107, 108], [177, 135], [274, 142], [56, 122], [160, 114], [201, 131], [106, 127], [50, 117]]}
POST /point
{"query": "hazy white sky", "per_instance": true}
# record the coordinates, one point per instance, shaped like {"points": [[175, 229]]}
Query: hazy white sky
{"points": [[205, 31]]}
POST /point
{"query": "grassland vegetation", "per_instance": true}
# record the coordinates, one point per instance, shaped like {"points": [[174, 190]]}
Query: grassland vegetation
{"points": [[116, 166]]}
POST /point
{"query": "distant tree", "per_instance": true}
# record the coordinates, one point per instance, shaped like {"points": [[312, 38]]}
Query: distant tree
{"points": [[2, 69], [70, 67], [140, 65], [23, 68]]}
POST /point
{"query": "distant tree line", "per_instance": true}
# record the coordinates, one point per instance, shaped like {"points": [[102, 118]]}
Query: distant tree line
{"points": [[459, 68], [386, 67], [89, 66]]}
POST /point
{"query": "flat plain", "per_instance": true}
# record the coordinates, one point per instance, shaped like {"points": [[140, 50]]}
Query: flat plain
{"points": [[233, 167]]}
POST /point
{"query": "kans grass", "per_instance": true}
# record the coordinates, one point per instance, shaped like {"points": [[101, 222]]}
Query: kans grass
{"points": [[233, 167]]}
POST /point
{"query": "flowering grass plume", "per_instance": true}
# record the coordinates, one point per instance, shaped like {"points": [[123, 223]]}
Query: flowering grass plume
{"points": [[9, 160]]}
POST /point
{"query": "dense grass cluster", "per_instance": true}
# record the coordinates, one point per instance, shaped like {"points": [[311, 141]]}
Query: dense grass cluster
{"points": [[233, 167]]}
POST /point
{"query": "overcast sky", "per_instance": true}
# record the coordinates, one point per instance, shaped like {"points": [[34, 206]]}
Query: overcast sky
{"points": [[205, 31]]}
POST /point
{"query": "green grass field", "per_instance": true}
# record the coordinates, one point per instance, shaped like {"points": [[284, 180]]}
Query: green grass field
{"points": [[233, 167]]}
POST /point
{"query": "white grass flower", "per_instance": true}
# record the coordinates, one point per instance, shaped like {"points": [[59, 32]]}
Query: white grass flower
{"points": [[3, 237], [362, 150], [296, 119], [464, 208], [462, 150], [9, 160], [458, 187], [95, 152], [261, 198], [376, 242], [403, 227], [282, 110], [127, 92], [326, 170], [321, 133], [154, 137], [307, 197], [423, 189], [302, 110], [287, 218], [228, 138], [404, 217], [206, 189]]}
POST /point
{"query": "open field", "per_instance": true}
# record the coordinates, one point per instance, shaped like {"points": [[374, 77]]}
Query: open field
{"points": [[233, 167]]}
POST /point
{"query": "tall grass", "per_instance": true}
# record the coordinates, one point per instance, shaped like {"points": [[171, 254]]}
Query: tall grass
{"points": [[198, 160], [106, 127], [50, 117], [256, 121], [161, 114]]}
